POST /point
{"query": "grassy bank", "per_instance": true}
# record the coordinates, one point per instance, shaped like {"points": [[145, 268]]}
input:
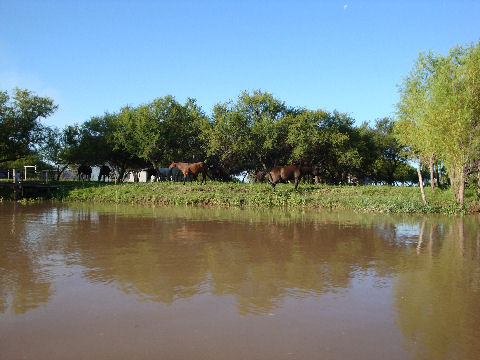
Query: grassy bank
{"points": [[384, 199]]}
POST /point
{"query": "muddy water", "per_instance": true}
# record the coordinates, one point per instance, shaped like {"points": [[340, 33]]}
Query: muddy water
{"points": [[81, 282]]}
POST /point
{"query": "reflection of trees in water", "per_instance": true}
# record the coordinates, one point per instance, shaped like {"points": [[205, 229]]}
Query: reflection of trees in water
{"points": [[437, 298], [259, 264], [164, 260], [24, 285]]}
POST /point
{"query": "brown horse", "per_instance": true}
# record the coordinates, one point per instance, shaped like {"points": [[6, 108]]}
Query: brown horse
{"points": [[191, 169], [290, 172]]}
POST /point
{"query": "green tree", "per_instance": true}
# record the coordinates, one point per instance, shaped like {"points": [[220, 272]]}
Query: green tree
{"points": [[414, 110], [390, 154], [21, 130], [53, 150], [438, 112], [162, 131], [228, 140], [70, 150], [456, 96], [330, 141], [99, 146], [264, 115], [250, 133]]}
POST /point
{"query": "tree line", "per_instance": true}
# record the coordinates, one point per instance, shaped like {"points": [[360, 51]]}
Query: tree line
{"points": [[436, 125], [254, 132]]}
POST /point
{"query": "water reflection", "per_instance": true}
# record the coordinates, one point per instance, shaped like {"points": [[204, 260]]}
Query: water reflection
{"points": [[429, 267], [24, 282], [437, 297], [176, 254]]}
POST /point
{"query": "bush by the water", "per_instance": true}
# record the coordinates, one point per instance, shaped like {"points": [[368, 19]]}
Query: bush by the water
{"points": [[392, 199]]}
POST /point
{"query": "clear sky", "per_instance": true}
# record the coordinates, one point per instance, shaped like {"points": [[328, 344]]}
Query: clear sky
{"points": [[97, 56]]}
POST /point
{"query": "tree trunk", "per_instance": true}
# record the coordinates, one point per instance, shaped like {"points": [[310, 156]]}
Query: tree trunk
{"points": [[430, 167], [60, 172], [454, 182], [461, 187], [420, 181], [478, 179]]}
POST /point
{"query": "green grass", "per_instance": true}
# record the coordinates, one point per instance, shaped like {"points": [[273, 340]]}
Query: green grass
{"points": [[383, 199]]}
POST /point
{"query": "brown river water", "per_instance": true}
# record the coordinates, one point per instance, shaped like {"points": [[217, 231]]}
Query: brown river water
{"points": [[97, 282]]}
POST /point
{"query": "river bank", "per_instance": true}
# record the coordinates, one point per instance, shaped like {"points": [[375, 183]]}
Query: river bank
{"points": [[381, 199]]}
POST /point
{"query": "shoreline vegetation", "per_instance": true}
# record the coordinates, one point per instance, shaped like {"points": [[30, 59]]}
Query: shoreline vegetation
{"points": [[365, 198], [434, 136]]}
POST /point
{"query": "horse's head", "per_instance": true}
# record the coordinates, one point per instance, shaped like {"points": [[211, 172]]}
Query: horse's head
{"points": [[172, 165]]}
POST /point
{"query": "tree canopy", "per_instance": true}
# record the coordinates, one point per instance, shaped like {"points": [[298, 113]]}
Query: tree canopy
{"points": [[438, 112], [21, 130], [252, 133]]}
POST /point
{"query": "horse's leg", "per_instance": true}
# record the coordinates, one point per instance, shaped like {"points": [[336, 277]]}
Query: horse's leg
{"points": [[297, 179], [273, 182]]}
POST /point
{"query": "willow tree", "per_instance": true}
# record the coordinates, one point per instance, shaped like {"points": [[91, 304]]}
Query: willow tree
{"points": [[455, 95], [414, 111], [471, 77], [438, 111]]}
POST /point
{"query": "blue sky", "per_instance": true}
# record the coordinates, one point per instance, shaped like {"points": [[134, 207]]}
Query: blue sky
{"points": [[97, 56]]}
